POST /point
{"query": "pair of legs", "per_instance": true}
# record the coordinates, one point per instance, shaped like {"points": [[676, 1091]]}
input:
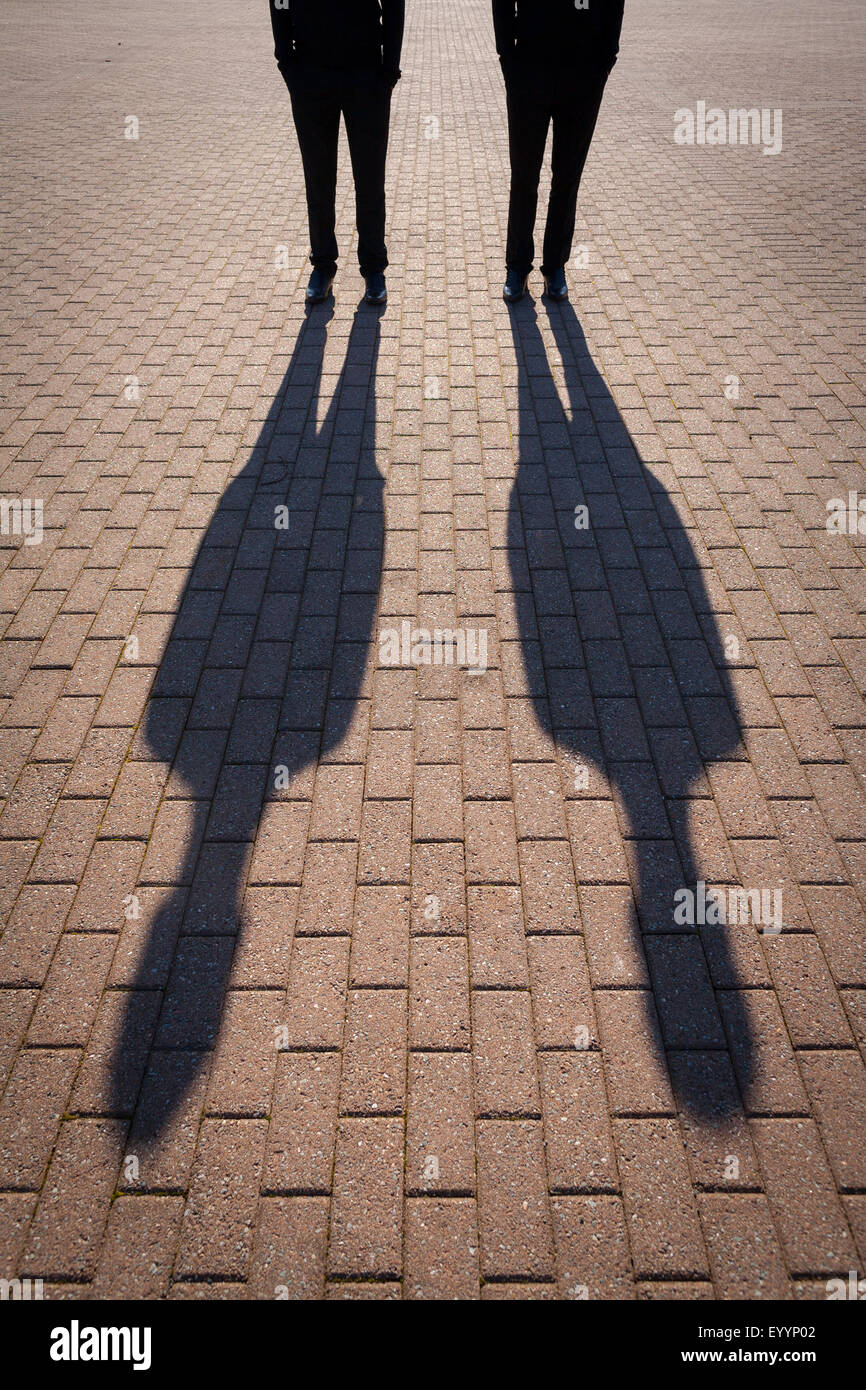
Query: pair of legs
{"points": [[535, 98], [363, 99]]}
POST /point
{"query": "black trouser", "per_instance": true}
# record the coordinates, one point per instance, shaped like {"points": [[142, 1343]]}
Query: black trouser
{"points": [[571, 100], [319, 97]]}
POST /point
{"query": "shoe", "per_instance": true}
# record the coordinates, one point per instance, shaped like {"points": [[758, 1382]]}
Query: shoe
{"points": [[515, 286], [556, 285], [319, 287], [376, 291]]}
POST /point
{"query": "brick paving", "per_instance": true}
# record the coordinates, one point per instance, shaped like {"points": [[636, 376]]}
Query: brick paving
{"points": [[322, 977]]}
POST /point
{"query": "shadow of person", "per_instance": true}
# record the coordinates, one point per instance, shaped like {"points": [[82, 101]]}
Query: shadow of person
{"points": [[627, 674], [259, 679]]}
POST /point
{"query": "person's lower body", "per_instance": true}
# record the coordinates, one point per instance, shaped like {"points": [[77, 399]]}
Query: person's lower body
{"points": [[367, 114], [363, 99], [534, 103]]}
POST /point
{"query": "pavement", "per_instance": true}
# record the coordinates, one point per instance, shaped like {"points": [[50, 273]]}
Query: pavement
{"points": [[331, 966]]}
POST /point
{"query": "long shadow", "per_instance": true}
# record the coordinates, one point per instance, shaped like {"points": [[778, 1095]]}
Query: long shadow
{"points": [[627, 673], [262, 671]]}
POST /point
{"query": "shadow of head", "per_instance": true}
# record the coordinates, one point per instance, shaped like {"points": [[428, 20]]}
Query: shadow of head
{"points": [[627, 671], [259, 680]]}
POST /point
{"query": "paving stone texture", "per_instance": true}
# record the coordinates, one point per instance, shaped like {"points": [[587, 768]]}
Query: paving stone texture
{"points": [[324, 977]]}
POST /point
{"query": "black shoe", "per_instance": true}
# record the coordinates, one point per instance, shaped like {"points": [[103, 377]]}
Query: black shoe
{"points": [[515, 286], [376, 291], [556, 285], [319, 287]]}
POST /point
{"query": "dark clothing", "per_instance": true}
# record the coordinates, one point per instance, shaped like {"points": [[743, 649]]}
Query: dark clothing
{"points": [[556, 59], [343, 34], [341, 57], [557, 33], [535, 98], [319, 97]]}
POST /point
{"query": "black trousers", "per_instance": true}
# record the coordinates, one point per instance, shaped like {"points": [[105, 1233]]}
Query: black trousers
{"points": [[536, 97], [363, 98]]}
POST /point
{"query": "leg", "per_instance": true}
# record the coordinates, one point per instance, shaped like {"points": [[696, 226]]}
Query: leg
{"points": [[528, 121], [317, 121], [574, 121], [367, 113]]}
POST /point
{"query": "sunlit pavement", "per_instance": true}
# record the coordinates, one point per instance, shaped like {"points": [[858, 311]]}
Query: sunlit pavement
{"points": [[331, 966]]}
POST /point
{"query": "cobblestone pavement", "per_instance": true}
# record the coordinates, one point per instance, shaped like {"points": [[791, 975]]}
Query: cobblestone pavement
{"points": [[341, 978]]}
